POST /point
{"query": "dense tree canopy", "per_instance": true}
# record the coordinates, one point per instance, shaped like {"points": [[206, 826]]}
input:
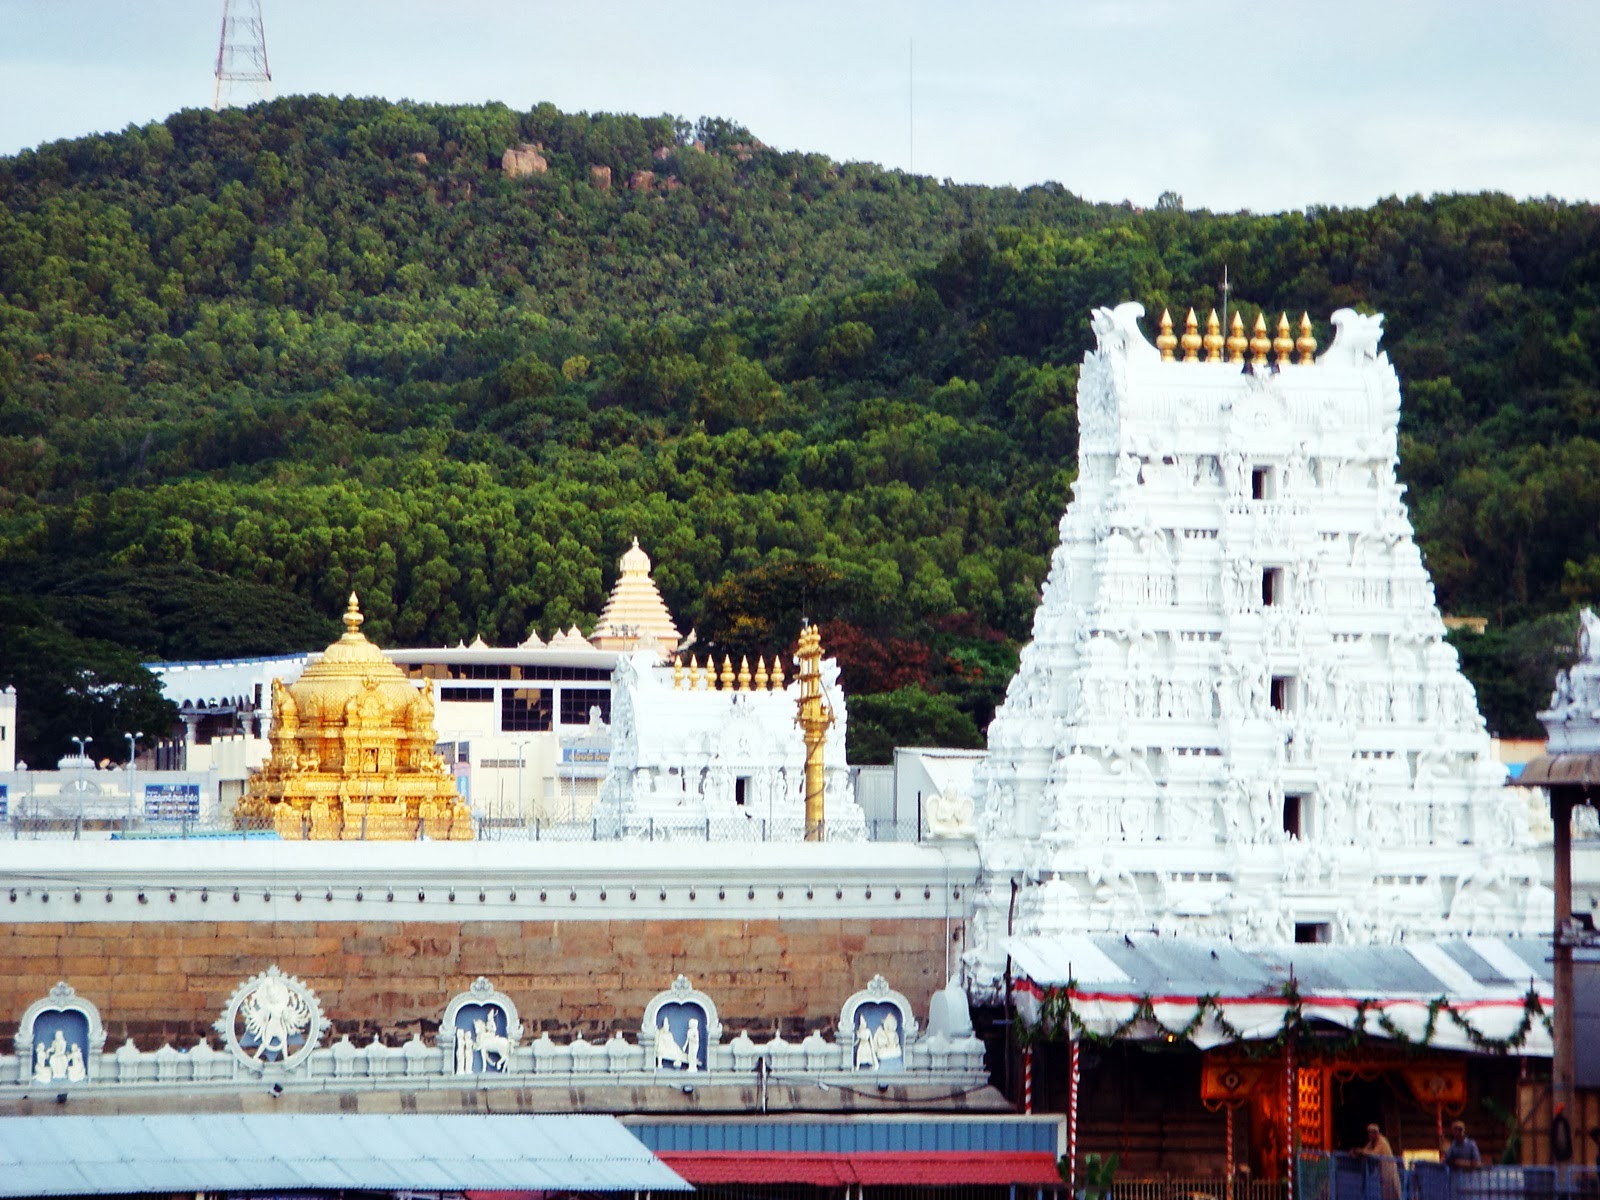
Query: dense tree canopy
{"points": [[252, 360]]}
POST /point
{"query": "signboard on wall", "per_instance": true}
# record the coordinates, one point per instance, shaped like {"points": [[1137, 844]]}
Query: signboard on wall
{"points": [[5, 803], [171, 801], [585, 754]]}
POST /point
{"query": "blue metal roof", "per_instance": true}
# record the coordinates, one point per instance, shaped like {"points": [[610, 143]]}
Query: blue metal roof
{"points": [[87, 1156], [853, 1136]]}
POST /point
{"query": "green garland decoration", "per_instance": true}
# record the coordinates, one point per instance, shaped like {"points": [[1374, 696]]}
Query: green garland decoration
{"points": [[1059, 1018]]}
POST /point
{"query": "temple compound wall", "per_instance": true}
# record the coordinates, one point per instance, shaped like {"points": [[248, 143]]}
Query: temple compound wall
{"points": [[385, 935]]}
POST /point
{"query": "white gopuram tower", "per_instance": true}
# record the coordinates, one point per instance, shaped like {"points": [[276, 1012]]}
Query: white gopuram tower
{"points": [[1237, 716]]}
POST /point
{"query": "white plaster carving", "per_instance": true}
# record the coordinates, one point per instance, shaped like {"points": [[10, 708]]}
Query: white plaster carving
{"points": [[876, 1026], [479, 1030], [1237, 712], [1572, 722], [59, 1038], [272, 1021], [681, 1028]]}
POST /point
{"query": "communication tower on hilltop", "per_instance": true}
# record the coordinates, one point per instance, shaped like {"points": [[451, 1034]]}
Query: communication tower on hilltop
{"points": [[242, 55]]}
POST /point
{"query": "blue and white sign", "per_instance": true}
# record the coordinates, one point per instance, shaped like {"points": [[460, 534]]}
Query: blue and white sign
{"points": [[171, 801], [5, 803]]}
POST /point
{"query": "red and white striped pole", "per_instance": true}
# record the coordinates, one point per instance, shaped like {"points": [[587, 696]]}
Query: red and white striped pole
{"points": [[1291, 1114], [1072, 1120], [1027, 1080], [1228, 1186]]}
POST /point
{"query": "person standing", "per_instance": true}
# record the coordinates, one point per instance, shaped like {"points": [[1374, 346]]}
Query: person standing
{"points": [[1378, 1148], [1462, 1151]]}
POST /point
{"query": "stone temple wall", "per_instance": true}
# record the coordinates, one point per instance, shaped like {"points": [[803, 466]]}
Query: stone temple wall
{"points": [[168, 981]]}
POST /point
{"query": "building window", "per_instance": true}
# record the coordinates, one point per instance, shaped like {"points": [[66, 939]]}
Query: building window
{"points": [[467, 695], [1295, 810], [1282, 693], [480, 671], [576, 703], [525, 710], [741, 790], [1262, 485], [1271, 586], [1310, 932]]}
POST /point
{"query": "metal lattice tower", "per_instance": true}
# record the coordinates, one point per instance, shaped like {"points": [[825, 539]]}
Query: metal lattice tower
{"points": [[242, 55]]}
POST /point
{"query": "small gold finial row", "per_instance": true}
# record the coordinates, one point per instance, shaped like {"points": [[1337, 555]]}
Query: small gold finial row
{"points": [[1283, 347], [707, 678]]}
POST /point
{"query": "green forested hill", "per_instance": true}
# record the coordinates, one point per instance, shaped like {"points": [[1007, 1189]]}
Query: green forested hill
{"points": [[249, 361]]}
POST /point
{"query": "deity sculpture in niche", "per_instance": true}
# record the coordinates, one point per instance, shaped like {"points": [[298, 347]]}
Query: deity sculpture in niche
{"points": [[681, 1029], [272, 1021], [479, 1031], [58, 1038], [876, 1024]]}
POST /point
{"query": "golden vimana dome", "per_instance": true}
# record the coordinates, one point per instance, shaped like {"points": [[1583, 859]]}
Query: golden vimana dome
{"points": [[353, 753], [635, 616]]}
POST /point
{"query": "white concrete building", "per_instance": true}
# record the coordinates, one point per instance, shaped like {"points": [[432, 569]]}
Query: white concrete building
{"points": [[1237, 715]]}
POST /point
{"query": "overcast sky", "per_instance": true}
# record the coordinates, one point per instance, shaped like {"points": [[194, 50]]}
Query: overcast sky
{"points": [[1340, 103]]}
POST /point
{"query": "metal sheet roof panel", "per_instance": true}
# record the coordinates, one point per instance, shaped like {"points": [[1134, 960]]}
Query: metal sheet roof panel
{"points": [[68, 1155]]}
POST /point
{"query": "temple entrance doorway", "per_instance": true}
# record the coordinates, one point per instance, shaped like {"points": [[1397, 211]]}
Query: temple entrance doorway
{"points": [[1359, 1102]]}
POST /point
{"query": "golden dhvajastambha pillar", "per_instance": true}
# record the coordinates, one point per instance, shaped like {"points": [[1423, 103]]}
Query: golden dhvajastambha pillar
{"points": [[352, 753], [815, 718]]}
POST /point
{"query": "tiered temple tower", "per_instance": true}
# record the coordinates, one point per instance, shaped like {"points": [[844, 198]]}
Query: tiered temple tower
{"points": [[1237, 715], [353, 753], [635, 617]]}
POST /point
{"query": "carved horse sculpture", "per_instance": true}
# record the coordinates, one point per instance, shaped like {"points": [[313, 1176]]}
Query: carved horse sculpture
{"points": [[495, 1047]]}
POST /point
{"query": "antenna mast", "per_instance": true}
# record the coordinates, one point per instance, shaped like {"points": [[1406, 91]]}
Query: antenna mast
{"points": [[242, 55]]}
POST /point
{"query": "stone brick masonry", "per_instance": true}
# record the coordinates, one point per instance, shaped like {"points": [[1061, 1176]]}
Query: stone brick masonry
{"points": [[167, 981]]}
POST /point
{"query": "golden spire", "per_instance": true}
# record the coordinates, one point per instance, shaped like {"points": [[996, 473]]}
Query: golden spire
{"points": [[352, 616], [1306, 343], [761, 674], [1213, 338], [777, 673], [814, 719], [1165, 341], [1237, 342], [744, 673], [1191, 338], [1283, 344], [726, 682], [677, 672], [1260, 343]]}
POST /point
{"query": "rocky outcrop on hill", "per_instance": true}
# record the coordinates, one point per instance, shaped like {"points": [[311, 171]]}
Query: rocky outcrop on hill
{"points": [[600, 177], [525, 159]]}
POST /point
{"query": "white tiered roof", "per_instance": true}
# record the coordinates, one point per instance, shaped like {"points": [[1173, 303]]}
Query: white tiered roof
{"points": [[1237, 714], [635, 617]]}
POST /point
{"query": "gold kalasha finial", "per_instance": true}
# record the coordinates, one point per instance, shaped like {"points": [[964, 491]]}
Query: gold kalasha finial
{"points": [[1283, 344], [1306, 343], [744, 673], [1165, 341], [761, 674], [352, 615], [1237, 342], [677, 672], [726, 681], [1260, 343], [777, 673], [1213, 338], [1191, 338], [697, 679]]}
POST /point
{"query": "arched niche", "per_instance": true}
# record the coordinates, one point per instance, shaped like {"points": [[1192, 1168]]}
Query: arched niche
{"points": [[877, 1025], [479, 1031], [680, 1028], [59, 1039]]}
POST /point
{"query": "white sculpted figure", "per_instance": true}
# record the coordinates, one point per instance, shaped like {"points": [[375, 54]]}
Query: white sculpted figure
{"points": [[58, 1059], [494, 1047], [273, 1014], [886, 1038], [464, 1051], [866, 1046], [670, 1054]]}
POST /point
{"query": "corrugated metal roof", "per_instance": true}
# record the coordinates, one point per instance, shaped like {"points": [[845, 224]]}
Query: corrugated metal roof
{"points": [[83, 1156], [856, 1136], [1146, 964]]}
